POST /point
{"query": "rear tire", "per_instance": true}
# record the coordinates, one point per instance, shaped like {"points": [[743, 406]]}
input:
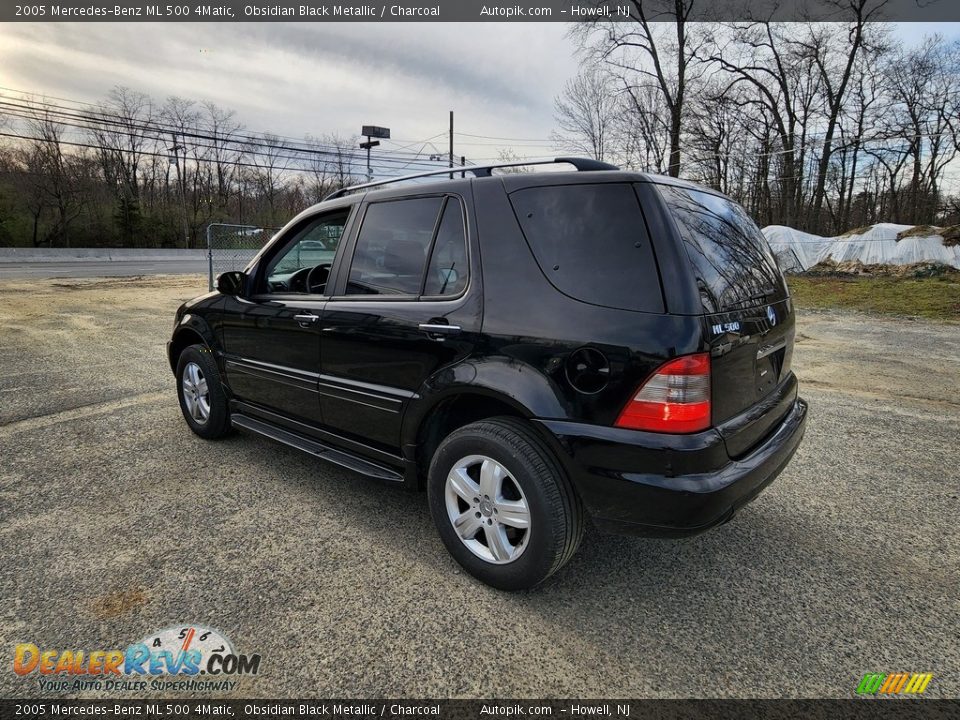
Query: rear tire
{"points": [[502, 504], [203, 399]]}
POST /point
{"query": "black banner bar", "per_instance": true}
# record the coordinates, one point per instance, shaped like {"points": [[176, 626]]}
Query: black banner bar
{"points": [[469, 11]]}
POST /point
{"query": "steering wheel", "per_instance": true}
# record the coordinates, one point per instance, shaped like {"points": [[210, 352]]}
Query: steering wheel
{"points": [[317, 278], [298, 281]]}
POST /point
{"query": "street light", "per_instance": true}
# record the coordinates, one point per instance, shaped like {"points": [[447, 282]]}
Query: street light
{"points": [[372, 131]]}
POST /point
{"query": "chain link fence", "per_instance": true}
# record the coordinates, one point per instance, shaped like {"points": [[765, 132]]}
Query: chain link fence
{"points": [[231, 247]]}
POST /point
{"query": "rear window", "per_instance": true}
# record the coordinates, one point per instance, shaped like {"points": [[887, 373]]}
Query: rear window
{"points": [[591, 243], [729, 255]]}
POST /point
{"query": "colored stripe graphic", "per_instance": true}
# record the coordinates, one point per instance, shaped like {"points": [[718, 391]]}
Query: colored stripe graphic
{"points": [[894, 683]]}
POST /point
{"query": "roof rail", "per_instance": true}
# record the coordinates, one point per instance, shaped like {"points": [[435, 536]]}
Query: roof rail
{"points": [[581, 164]]}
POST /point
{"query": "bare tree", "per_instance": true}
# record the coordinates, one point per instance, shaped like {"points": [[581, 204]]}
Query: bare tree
{"points": [[835, 62], [922, 120], [657, 48], [124, 136], [329, 166], [717, 127], [768, 58], [643, 131], [223, 127], [52, 175], [506, 155], [855, 121], [586, 112], [180, 119], [270, 162]]}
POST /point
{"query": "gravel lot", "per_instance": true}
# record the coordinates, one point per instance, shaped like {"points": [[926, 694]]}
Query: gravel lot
{"points": [[116, 521]]}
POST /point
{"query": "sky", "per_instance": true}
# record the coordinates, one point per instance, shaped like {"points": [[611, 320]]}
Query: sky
{"points": [[316, 78], [313, 78]]}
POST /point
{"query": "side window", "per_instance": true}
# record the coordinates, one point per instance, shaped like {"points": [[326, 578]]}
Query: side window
{"points": [[591, 243], [392, 247], [304, 264], [447, 274]]}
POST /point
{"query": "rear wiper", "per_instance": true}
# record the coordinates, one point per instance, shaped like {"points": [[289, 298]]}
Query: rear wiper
{"points": [[761, 295]]}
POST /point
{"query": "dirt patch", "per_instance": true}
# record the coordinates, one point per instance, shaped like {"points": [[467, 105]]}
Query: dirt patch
{"points": [[133, 281], [919, 231], [856, 231], [951, 236], [119, 602], [848, 268]]}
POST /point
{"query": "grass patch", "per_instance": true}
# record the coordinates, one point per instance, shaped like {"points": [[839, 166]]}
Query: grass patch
{"points": [[936, 298]]}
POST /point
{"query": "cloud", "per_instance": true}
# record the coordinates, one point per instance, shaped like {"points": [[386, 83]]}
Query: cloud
{"points": [[300, 78]]}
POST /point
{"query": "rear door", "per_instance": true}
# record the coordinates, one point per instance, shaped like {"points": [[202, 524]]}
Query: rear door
{"points": [[407, 304], [749, 320]]}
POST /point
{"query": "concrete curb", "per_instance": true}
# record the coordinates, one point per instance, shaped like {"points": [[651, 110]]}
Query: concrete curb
{"points": [[35, 255]]}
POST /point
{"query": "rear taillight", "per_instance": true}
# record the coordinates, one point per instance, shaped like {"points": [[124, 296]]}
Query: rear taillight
{"points": [[675, 399]]}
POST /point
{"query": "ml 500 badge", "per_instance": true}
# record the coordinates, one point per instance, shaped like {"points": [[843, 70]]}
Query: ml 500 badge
{"points": [[730, 327]]}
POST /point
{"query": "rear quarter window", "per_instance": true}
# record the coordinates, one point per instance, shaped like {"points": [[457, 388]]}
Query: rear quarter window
{"points": [[730, 257], [591, 243]]}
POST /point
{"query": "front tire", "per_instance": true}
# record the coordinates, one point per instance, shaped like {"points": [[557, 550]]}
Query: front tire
{"points": [[203, 400], [503, 505]]}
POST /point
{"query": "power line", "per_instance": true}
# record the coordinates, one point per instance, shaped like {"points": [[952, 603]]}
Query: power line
{"points": [[494, 137], [246, 150], [148, 153], [58, 114], [29, 96], [136, 128], [396, 157]]}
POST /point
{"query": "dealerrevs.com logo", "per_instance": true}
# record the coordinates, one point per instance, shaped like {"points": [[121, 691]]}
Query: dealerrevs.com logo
{"points": [[171, 659]]}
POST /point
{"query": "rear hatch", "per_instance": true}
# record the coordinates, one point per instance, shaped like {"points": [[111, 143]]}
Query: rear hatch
{"points": [[749, 319]]}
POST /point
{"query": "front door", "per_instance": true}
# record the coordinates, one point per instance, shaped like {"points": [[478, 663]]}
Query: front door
{"points": [[272, 339], [406, 306]]}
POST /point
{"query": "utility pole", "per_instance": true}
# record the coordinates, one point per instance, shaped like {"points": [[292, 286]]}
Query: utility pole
{"points": [[366, 146], [451, 143], [182, 182]]}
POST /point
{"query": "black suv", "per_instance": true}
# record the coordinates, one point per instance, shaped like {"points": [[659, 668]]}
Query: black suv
{"points": [[532, 348]]}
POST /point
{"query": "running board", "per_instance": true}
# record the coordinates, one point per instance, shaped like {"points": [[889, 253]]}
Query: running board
{"points": [[324, 452]]}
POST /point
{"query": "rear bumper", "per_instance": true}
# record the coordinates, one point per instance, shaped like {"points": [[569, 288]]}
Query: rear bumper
{"points": [[653, 484]]}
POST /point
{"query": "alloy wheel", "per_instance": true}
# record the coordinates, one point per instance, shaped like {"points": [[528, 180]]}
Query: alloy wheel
{"points": [[487, 509], [196, 394]]}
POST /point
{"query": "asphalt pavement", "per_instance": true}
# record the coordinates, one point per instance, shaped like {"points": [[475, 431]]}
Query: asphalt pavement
{"points": [[116, 521]]}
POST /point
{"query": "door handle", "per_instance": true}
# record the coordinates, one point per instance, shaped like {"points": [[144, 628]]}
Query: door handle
{"points": [[306, 319], [437, 331]]}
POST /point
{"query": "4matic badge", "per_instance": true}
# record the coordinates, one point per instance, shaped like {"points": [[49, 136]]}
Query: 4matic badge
{"points": [[189, 650]]}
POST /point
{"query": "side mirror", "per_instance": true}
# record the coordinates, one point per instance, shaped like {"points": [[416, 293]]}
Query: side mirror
{"points": [[230, 283]]}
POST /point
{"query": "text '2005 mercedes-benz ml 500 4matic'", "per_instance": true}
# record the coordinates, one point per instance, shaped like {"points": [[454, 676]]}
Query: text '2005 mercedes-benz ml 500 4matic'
{"points": [[534, 349]]}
